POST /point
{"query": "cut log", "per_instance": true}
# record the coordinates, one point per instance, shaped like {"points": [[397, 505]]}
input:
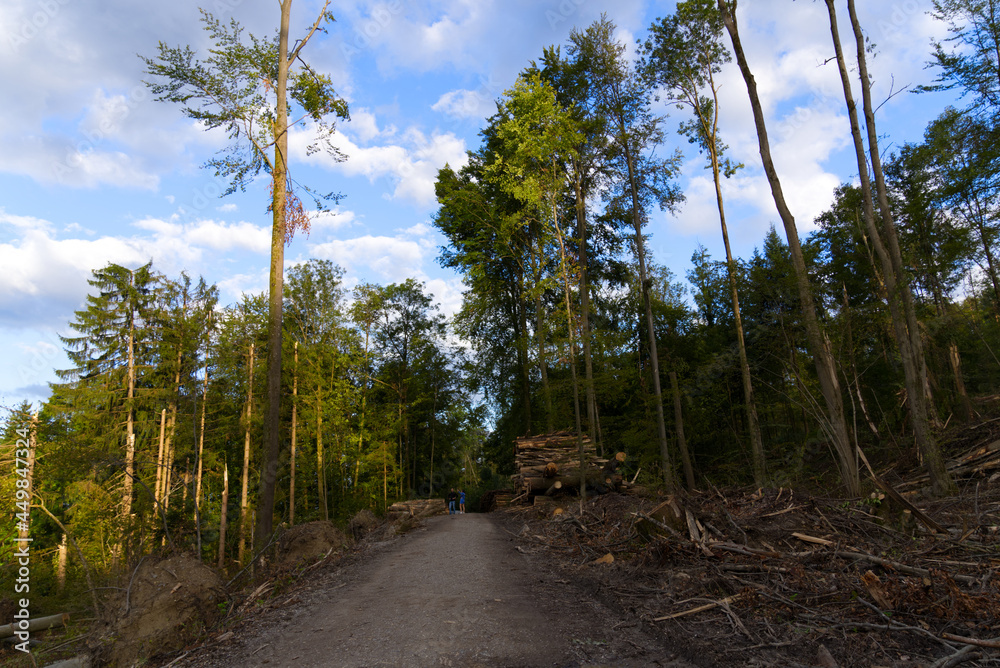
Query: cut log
{"points": [[37, 624]]}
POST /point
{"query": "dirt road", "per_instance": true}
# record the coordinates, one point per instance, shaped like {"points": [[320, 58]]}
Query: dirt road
{"points": [[455, 592]]}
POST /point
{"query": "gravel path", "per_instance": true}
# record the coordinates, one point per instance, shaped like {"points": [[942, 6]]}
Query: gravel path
{"points": [[455, 592]]}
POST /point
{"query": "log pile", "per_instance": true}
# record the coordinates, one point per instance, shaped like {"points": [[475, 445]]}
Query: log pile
{"points": [[550, 463], [417, 508], [495, 498]]}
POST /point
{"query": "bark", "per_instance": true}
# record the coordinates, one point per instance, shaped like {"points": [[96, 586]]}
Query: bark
{"points": [[753, 422], [61, 565], [244, 501], [158, 489], [201, 442], [130, 418], [588, 363], [279, 175], [640, 252], [522, 354], [222, 515], [320, 466], [911, 343], [835, 422], [23, 530], [295, 416], [681, 441], [540, 339], [955, 361], [572, 353]]}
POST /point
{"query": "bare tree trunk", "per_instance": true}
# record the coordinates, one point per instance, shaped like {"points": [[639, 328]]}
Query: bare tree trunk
{"points": [[244, 499], [572, 354], [899, 296], [588, 362], [835, 422], [130, 419], [753, 423], [24, 527], [681, 441], [522, 352], [295, 415], [279, 176], [320, 466], [222, 515], [914, 362], [640, 252], [956, 369], [158, 490], [61, 565], [168, 446], [540, 339], [201, 442]]}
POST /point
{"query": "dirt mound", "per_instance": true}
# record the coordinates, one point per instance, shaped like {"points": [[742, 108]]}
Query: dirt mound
{"points": [[168, 604], [308, 541], [363, 523]]}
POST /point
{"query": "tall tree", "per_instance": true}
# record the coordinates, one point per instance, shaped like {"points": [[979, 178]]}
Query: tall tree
{"points": [[835, 421], [245, 89], [112, 352], [639, 179], [683, 55], [886, 243]]}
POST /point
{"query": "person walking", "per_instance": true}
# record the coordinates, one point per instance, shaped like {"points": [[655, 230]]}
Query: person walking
{"points": [[461, 501], [452, 498]]}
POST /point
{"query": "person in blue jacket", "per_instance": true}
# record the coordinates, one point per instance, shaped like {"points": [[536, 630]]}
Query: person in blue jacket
{"points": [[461, 501]]}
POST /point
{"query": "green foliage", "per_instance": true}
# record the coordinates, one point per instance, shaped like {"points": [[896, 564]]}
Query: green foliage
{"points": [[234, 89]]}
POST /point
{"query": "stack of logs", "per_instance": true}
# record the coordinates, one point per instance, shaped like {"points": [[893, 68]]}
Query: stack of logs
{"points": [[550, 463], [418, 508]]}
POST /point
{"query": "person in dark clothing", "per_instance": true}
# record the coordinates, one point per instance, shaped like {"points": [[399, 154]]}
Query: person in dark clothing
{"points": [[452, 498]]}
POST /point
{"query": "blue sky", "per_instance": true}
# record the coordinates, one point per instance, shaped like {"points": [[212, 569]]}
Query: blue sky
{"points": [[92, 170]]}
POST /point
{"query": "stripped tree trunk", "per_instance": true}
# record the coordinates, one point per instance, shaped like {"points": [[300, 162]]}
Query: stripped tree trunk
{"points": [[295, 409], [158, 490], [244, 525], [222, 515], [681, 441]]}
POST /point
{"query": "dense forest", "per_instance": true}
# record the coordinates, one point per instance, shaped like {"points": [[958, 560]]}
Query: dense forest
{"points": [[874, 334]]}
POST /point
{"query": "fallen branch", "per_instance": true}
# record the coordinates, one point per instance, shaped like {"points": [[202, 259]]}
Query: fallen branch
{"points": [[902, 568], [812, 539], [700, 608], [992, 644]]}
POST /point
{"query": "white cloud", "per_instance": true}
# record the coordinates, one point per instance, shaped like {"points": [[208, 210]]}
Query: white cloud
{"points": [[466, 104], [211, 234], [393, 259], [412, 163]]}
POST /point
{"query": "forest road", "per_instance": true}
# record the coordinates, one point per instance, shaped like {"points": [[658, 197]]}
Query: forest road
{"points": [[454, 592]]}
